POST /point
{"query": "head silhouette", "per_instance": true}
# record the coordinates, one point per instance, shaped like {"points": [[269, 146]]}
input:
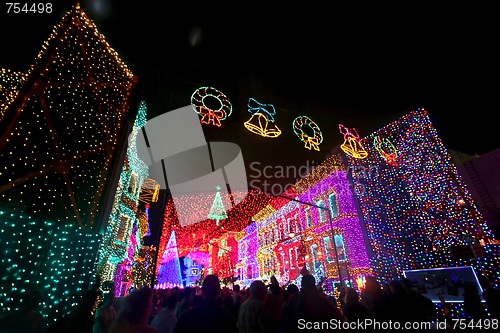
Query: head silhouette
{"points": [[308, 283], [211, 287], [258, 289]]}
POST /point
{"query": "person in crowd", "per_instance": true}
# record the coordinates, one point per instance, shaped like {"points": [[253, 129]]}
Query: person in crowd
{"points": [[273, 301], [254, 316], [473, 306], [309, 306], [375, 299], [104, 314], [165, 320], [134, 313], [491, 296], [353, 310], [27, 319], [186, 301], [237, 300], [422, 309], [399, 302], [81, 319], [285, 312], [208, 316]]}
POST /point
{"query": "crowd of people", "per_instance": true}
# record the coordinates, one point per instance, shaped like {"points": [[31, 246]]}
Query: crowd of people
{"points": [[260, 308]]}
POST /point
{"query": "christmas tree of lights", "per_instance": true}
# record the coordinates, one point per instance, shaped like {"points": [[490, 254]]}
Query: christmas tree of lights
{"points": [[169, 274], [217, 212]]}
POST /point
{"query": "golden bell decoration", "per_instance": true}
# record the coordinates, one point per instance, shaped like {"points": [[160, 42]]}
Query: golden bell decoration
{"points": [[259, 124]]}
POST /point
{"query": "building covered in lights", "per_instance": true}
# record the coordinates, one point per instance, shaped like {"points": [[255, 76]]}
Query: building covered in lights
{"points": [[314, 225], [379, 205], [61, 124], [122, 247], [417, 210]]}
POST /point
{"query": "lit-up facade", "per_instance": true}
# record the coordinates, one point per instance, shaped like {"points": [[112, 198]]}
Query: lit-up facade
{"points": [[299, 229]]}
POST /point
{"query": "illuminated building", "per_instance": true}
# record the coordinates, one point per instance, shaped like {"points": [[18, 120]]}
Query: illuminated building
{"points": [[128, 222], [417, 210]]}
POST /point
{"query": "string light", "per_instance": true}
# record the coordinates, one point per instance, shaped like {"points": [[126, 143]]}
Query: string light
{"points": [[411, 213], [121, 249], [262, 120], [68, 114], [310, 141], [54, 258], [386, 150], [211, 115], [352, 145]]}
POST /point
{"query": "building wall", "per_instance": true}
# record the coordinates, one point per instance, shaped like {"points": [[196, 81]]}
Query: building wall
{"points": [[482, 176]]}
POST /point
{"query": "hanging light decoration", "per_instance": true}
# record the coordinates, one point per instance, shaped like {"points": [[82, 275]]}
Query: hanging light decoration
{"points": [[262, 121]]}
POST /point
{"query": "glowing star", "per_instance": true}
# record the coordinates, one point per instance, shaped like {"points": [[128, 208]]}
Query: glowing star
{"points": [[209, 115], [311, 142], [351, 145], [386, 149], [262, 120]]}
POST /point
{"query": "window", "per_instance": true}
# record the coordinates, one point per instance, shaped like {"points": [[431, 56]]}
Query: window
{"points": [[332, 200], [322, 213], [329, 254], [307, 213], [315, 258], [249, 272], [134, 184], [123, 228], [339, 244]]}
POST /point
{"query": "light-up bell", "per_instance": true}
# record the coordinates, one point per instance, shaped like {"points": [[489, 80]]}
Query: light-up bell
{"points": [[351, 145], [259, 124]]}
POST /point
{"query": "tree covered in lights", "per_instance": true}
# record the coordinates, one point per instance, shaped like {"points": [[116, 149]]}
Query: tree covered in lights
{"points": [[217, 211], [61, 123], [169, 274]]}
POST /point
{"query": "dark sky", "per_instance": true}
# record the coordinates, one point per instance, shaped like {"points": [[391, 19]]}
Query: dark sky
{"points": [[362, 67]]}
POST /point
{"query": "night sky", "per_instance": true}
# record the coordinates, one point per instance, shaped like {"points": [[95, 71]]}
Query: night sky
{"points": [[362, 68]]}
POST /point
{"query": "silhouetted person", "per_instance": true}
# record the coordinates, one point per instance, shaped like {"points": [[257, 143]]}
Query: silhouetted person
{"points": [[473, 306], [309, 306], [273, 301], [286, 310], [104, 314], [81, 319], [354, 310], [185, 303], [208, 316], [422, 309], [237, 300], [491, 296], [254, 316], [134, 313], [27, 319], [165, 320], [375, 299], [399, 301]]}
